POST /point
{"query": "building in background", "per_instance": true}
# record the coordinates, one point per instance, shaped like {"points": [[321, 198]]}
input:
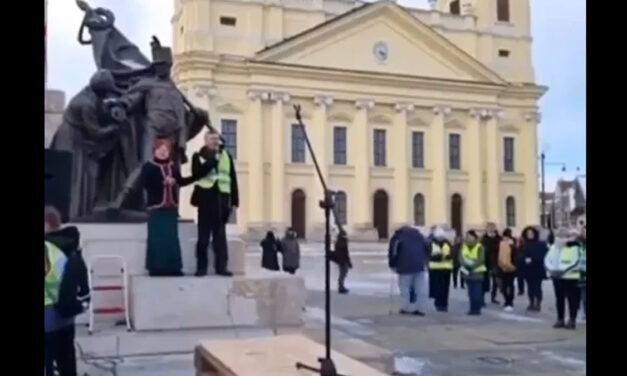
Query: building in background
{"points": [[570, 203], [416, 116], [548, 217]]}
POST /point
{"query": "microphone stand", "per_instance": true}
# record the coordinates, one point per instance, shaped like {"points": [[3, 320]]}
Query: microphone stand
{"points": [[327, 367]]}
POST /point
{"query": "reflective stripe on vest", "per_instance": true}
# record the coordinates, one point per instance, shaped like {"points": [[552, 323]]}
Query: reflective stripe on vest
{"points": [[567, 256], [222, 175], [472, 255], [52, 282], [445, 250]]}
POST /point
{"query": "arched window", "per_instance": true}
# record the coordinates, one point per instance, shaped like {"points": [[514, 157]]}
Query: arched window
{"points": [[340, 207], [502, 10], [510, 211], [454, 7], [419, 210]]}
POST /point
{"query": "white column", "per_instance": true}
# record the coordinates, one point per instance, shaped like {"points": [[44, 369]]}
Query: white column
{"points": [[528, 150], [402, 201], [254, 127], [493, 171], [321, 145], [361, 161], [439, 191], [474, 215], [277, 174]]}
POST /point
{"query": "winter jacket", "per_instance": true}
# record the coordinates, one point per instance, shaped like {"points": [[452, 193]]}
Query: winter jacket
{"points": [[340, 255], [290, 249], [532, 255], [407, 253], [506, 259], [583, 264], [269, 256], [563, 261], [491, 246], [473, 268], [74, 288]]}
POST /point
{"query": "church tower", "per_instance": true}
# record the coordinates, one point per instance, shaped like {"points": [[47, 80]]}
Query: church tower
{"points": [[504, 27]]}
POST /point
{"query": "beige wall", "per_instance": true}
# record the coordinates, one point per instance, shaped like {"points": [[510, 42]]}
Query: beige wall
{"points": [[425, 84]]}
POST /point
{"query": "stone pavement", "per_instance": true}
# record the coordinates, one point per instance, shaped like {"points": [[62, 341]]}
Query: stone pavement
{"points": [[367, 327]]}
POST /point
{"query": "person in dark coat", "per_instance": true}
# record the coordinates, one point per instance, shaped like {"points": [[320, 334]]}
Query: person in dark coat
{"points": [[407, 256], [290, 249], [216, 196], [269, 252], [161, 180], [491, 242], [532, 254], [341, 257], [59, 332]]}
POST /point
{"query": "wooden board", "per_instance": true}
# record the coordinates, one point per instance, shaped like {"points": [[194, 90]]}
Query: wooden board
{"points": [[275, 356]]}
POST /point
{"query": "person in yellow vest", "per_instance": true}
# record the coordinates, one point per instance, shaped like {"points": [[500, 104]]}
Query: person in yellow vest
{"points": [[472, 261], [440, 267], [216, 195], [59, 332], [563, 264]]}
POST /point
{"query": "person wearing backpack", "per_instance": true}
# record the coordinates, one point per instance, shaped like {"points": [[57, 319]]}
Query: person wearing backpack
{"points": [[66, 293]]}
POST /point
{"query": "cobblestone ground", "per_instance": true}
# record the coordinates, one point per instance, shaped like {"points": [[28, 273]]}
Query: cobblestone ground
{"points": [[367, 327]]}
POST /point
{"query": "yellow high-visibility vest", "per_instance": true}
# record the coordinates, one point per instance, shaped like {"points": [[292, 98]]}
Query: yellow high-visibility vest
{"points": [[472, 255], [52, 282], [567, 256], [445, 250], [221, 175]]}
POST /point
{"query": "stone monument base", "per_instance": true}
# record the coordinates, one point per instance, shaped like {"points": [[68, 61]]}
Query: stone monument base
{"points": [[267, 299]]}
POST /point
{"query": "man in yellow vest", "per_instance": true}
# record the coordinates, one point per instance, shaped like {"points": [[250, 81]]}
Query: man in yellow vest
{"points": [[215, 196], [563, 263], [59, 332], [472, 261], [440, 267]]}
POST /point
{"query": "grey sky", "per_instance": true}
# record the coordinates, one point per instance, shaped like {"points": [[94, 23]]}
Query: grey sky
{"points": [[559, 53]]}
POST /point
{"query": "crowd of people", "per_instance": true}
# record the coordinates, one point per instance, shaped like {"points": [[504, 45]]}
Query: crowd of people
{"points": [[490, 264]]}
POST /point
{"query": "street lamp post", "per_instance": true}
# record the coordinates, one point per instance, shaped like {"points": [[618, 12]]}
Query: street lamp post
{"points": [[542, 199]]}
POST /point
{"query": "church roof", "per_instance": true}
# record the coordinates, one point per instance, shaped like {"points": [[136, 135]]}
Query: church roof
{"points": [[417, 45]]}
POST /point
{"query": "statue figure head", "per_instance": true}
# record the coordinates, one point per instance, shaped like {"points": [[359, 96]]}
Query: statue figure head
{"points": [[103, 83], [161, 58]]}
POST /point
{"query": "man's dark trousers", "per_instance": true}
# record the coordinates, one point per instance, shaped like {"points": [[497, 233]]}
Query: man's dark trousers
{"points": [[212, 217]]}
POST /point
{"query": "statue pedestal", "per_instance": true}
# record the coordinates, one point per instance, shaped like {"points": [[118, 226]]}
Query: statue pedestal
{"points": [[266, 299], [129, 241]]}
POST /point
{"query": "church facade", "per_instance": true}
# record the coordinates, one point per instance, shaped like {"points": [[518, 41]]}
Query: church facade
{"points": [[416, 116]]}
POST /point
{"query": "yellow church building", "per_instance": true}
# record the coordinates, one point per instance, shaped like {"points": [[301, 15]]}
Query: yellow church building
{"points": [[416, 116]]}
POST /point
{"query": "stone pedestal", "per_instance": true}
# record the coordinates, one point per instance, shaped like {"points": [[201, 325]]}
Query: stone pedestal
{"points": [[54, 104], [129, 240], [263, 300]]}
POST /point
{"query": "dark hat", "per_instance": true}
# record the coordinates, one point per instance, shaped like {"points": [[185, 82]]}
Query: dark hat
{"points": [[161, 55]]}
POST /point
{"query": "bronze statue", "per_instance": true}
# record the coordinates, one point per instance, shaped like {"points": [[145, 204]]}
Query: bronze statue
{"points": [[110, 125]]}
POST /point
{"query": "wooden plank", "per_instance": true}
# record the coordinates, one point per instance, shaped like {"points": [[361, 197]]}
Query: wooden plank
{"points": [[276, 356]]}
